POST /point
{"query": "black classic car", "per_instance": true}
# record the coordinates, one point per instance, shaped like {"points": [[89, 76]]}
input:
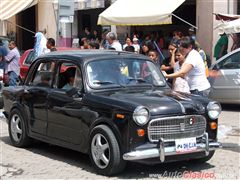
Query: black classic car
{"points": [[115, 106]]}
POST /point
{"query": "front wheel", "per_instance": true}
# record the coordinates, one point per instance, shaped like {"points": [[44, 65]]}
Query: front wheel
{"points": [[104, 151], [17, 129]]}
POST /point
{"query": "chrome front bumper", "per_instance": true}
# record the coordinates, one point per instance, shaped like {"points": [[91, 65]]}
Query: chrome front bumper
{"points": [[163, 151]]}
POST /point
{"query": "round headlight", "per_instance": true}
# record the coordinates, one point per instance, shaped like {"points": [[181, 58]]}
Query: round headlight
{"points": [[214, 110], [141, 115]]}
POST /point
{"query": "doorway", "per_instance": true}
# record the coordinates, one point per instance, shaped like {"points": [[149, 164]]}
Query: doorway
{"points": [[26, 19]]}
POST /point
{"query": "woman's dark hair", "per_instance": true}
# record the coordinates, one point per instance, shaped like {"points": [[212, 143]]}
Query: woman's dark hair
{"points": [[51, 41], [129, 48], [154, 51], [127, 38], [175, 42], [187, 42], [179, 50], [70, 72], [148, 44]]}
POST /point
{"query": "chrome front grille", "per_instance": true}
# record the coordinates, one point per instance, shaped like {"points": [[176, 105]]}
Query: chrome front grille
{"points": [[176, 127]]}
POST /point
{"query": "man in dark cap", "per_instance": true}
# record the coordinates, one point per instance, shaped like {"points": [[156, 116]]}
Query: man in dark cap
{"points": [[191, 32]]}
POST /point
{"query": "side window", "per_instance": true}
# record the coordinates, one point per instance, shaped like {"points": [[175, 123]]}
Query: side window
{"points": [[69, 76], [232, 62], [29, 59], [43, 74]]}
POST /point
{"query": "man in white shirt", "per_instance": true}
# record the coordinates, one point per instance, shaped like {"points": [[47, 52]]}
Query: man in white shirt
{"points": [[13, 68], [113, 42]]}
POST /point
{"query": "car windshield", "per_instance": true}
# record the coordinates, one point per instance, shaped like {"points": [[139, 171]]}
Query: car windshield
{"points": [[124, 72]]}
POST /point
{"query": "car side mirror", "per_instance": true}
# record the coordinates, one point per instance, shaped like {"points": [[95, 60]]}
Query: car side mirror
{"points": [[74, 92]]}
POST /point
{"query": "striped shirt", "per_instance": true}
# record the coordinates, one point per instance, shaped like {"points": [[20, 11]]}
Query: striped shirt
{"points": [[12, 60]]}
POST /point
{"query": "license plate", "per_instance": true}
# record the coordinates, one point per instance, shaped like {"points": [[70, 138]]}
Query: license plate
{"points": [[185, 145]]}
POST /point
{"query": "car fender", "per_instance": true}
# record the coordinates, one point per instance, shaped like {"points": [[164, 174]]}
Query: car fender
{"points": [[108, 122]]}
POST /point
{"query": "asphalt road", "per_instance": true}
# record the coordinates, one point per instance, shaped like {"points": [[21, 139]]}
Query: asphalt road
{"points": [[44, 161]]}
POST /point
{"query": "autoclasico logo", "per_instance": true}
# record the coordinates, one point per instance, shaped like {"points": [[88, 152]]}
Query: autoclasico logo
{"points": [[184, 174]]}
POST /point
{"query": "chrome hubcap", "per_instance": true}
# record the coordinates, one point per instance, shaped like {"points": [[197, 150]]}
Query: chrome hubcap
{"points": [[100, 151], [16, 128]]}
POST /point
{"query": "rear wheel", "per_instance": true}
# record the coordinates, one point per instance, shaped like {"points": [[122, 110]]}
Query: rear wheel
{"points": [[105, 152], [17, 129]]}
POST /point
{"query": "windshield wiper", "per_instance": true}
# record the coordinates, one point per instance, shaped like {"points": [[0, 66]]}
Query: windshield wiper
{"points": [[108, 83], [103, 82]]}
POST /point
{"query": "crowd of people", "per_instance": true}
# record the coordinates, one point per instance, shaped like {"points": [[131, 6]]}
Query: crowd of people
{"points": [[186, 66]]}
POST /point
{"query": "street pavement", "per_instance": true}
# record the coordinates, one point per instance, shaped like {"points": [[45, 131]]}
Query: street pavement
{"points": [[44, 161]]}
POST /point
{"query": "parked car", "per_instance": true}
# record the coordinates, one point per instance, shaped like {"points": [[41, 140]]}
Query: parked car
{"points": [[226, 84], [28, 57], [111, 110]]}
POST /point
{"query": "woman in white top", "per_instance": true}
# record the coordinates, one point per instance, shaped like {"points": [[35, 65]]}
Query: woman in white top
{"points": [[193, 69], [136, 45], [179, 83]]}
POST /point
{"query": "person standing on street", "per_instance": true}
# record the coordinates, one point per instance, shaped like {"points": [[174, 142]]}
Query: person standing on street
{"points": [[180, 84], [136, 45], [221, 47], [236, 41], [40, 45], [191, 33], [113, 42], [12, 60]]}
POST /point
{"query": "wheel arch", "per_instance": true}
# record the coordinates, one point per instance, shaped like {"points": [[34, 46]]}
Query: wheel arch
{"points": [[107, 122]]}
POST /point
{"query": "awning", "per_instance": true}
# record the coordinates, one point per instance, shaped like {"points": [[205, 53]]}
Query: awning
{"points": [[230, 27], [226, 17], [230, 23], [139, 12], [9, 8]]}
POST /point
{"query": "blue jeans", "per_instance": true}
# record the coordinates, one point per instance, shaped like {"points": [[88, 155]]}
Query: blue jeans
{"points": [[203, 93], [13, 77]]}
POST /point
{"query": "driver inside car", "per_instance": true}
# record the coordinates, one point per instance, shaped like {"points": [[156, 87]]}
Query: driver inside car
{"points": [[112, 75]]}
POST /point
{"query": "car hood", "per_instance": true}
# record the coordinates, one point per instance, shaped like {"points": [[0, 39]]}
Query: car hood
{"points": [[159, 102]]}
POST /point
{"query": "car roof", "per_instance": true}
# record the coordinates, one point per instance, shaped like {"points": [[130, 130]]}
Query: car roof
{"points": [[92, 54]]}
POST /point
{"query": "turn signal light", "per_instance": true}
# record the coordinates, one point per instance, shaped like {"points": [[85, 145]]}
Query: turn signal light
{"points": [[140, 132], [213, 125], [120, 116]]}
